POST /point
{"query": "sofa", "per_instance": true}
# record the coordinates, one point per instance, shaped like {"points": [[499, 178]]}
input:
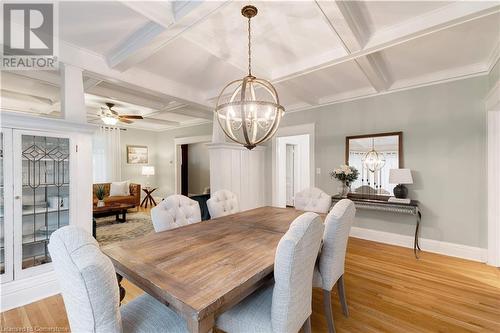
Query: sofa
{"points": [[134, 197]]}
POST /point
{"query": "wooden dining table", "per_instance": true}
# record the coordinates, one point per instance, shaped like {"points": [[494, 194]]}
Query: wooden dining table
{"points": [[202, 269]]}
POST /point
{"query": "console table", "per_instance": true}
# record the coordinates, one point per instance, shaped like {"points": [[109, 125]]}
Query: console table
{"points": [[386, 206]]}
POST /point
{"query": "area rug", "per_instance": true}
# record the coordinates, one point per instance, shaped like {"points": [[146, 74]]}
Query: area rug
{"points": [[109, 231]]}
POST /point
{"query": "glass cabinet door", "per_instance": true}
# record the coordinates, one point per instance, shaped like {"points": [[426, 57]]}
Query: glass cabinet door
{"points": [[42, 180]]}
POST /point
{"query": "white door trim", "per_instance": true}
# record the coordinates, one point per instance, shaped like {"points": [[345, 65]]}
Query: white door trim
{"points": [[177, 155], [290, 131], [494, 188]]}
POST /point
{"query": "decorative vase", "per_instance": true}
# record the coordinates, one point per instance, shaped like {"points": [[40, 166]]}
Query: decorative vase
{"points": [[100, 203], [344, 190]]}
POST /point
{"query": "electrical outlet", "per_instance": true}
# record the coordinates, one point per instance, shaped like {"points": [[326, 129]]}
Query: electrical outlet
{"points": [[318, 171]]}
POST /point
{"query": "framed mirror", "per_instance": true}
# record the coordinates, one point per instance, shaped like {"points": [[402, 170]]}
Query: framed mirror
{"points": [[374, 155]]}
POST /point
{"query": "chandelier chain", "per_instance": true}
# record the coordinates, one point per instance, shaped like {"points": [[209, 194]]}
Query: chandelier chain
{"points": [[249, 48]]}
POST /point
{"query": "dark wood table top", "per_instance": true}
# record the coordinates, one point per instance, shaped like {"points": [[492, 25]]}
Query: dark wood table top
{"points": [[111, 207], [199, 270]]}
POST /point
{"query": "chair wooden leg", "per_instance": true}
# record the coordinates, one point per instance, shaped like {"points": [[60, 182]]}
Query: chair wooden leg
{"points": [[306, 328], [327, 302], [342, 298]]}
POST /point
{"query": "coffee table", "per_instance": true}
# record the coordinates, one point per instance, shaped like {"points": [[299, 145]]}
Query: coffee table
{"points": [[111, 209]]}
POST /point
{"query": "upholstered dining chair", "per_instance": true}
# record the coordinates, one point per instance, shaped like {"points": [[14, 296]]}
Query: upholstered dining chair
{"points": [[330, 268], [90, 291], [313, 200], [284, 307], [222, 203], [175, 211]]}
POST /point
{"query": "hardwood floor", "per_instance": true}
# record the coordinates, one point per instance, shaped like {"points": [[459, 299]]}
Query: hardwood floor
{"points": [[388, 290]]}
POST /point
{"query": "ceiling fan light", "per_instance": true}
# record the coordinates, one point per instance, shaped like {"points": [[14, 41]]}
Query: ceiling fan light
{"points": [[109, 120]]}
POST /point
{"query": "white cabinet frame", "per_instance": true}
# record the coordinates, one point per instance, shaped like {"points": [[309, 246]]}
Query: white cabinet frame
{"points": [[8, 207]]}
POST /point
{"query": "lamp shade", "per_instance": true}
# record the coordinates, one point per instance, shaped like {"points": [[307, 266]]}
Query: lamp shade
{"points": [[148, 170], [400, 176]]}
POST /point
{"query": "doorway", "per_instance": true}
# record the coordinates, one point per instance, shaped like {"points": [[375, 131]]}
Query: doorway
{"points": [[293, 172]]}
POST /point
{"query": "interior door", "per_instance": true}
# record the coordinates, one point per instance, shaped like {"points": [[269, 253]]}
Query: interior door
{"points": [[41, 197], [184, 170], [6, 206]]}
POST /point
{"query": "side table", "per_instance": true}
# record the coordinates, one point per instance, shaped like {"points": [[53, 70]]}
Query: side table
{"points": [[148, 199]]}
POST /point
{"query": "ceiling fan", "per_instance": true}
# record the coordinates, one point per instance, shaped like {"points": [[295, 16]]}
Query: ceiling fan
{"points": [[111, 117]]}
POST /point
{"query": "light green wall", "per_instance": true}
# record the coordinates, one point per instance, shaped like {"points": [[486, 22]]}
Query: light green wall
{"points": [[133, 172], [166, 157], [444, 134]]}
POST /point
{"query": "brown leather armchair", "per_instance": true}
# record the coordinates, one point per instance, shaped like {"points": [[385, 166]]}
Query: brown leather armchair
{"points": [[134, 197]]}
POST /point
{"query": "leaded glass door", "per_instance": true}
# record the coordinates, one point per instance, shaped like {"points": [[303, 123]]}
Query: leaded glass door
{"points": [[6, 223], [42, 196]]}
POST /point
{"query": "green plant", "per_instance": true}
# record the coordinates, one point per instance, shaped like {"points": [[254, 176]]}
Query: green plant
{"points": [[99, 192], [346, 174]]}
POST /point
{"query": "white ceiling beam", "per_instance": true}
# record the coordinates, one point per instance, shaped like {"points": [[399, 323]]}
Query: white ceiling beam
{"points": [[90, 83], [48, 77], [186, 111], [347, 22], [448, 16], [153, 36], [113, 94], [135, 78], [374, 68], [160, 12]]}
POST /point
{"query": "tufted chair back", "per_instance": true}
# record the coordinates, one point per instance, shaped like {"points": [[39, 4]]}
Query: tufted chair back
{"points": [[222, 203], [337, 227], [313, 200], [175, 211], [87, 280], [293, 272]]}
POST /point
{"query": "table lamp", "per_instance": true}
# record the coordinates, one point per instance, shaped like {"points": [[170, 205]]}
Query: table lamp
{"points": [[400, 177], [147, 171]]}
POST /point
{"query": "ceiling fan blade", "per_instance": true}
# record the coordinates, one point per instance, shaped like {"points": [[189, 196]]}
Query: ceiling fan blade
{"points": [[130, 116], [126, 121], [113, 112]]}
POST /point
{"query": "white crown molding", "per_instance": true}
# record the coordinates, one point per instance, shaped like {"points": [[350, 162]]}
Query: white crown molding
{"points": [[427, 245]]}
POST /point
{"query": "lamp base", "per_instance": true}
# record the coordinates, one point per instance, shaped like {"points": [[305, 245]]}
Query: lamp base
{"points": [[400, 191]]}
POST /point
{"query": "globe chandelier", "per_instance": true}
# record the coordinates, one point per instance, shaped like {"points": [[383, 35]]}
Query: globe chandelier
{"points": [[373, 160], [248, 110]]}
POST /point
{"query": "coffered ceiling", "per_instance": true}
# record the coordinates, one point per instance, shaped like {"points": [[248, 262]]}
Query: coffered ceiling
{"points": [[169, 60]]}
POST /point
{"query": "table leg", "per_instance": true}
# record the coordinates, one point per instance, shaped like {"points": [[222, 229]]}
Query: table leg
{"points": [[119, 278], [205, 325], [416, 246], [143, 201]]}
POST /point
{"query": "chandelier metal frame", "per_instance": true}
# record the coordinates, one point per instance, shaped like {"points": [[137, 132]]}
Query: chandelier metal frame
{"points": [[248, 122]]}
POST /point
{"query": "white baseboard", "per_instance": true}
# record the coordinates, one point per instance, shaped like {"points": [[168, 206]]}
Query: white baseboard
{"points": [[429, 245], [29, 290]]}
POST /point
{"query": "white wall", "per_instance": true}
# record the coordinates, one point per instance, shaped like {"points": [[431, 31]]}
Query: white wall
{"points": [[198, 168]]}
